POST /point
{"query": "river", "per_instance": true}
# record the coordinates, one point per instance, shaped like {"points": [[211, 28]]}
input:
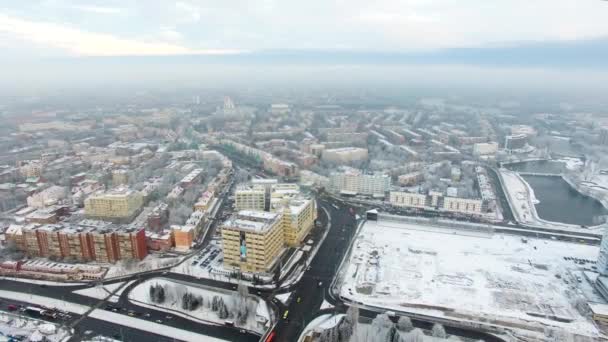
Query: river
{"points": [[559, 202]]}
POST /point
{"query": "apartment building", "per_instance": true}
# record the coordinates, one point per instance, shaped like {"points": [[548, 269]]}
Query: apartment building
{"points": [[410, 178], [299, 217], [463, 205], [484, 149], [90, 240], [353, 182], [406, 199], [117, 205], [120, 177], [345, 154], [436, 200], [46, 197], [253, 240], [183, 237], [250, 198]]}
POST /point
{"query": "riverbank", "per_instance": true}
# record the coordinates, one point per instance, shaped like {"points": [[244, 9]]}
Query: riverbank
{"points": [[522, 201]]}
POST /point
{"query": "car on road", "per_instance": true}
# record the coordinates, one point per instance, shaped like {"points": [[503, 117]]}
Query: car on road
{"points": [[285, 314], [159, 321], [299, 299], [12, 307], [320, 284]]}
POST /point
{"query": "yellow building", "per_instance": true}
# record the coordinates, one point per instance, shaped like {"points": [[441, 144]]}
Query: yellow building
{"points": [[299, 217], [250, 198], [120, 204], [253, 240]]}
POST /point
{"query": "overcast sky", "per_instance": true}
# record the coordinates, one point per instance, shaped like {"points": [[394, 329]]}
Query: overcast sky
{"points": [[154, 27]]}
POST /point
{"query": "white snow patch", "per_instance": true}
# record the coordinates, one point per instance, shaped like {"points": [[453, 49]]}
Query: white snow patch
{"points": [[283, 297], [326, 305], [94, 292]]}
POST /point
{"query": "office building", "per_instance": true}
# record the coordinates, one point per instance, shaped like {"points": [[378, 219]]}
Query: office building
{"points": [[253, 240]]}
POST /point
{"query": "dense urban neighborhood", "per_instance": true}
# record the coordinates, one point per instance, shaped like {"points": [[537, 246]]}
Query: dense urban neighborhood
{"points": [[223, 219]]}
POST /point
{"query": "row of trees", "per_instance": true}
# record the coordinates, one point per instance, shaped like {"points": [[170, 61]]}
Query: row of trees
{"points": [[242, 303], [382, 330], [157, 293]]}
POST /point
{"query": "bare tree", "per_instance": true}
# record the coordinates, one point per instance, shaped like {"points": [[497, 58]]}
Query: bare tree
{"points": [[438, 331], [405, 324]]}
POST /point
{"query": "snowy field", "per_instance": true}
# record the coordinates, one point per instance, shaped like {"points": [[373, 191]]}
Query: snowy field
{"points": [[502, 278], [175, 290], [32, 329]]}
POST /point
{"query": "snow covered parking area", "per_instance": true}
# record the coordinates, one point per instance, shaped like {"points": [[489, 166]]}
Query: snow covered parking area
{"points": [[466, 275]]}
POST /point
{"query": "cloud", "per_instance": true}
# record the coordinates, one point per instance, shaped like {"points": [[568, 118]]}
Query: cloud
{"points": [[188, 13], [99, 9], [82, 43], [170, 34]]}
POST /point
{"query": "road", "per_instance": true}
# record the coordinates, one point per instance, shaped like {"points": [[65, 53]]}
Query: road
{"points": [[322, 270]]}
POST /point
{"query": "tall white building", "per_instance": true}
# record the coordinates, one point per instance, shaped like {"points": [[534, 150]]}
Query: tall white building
{"points": [[354, 182]]}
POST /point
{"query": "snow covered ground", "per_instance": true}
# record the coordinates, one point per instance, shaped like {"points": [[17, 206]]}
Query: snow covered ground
{"points": [[34, 330], [283, 297], [98, 292], [502, 279], [151, 262], [174, 291]]}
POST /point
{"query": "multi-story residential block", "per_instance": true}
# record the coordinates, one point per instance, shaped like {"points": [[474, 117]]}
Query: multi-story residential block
{"points": [[253, 240], [299, 215], [32, 168], [183, 237], [463, 205], [410, 178], [117, 205], [250, 198], [120, 177], [86, 241], [485, 149], [345, 154], [406, 199], [46, 197], [352, 182], [191, 178]]}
